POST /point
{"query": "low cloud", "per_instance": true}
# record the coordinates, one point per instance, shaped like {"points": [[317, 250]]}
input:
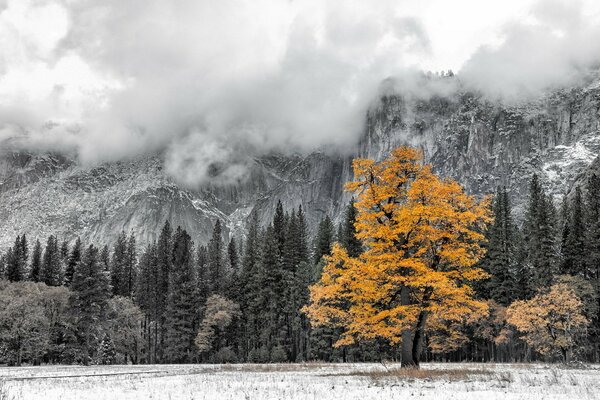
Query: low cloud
{"points": [[194, 77], [555, 47], [213, 84]]}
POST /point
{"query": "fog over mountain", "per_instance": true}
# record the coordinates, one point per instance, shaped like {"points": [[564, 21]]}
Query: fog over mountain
{"points": [[214, 84]]}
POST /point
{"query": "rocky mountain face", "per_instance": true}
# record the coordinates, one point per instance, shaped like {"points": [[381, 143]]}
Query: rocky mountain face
{"points": [[480, 143]]}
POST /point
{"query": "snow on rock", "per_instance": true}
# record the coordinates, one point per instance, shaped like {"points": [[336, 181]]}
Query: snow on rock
{"points": [[480, 143]]}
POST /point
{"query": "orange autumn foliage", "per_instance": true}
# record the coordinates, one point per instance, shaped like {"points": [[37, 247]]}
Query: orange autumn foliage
{"points": [[550, 322], [421, 233]]}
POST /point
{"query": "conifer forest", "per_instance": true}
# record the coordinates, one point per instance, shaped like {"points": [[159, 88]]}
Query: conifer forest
{"points": [[418, 270]]}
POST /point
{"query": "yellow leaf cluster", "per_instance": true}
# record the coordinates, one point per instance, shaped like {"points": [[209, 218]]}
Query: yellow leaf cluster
{"points": [[550, 321], [421, 233]]}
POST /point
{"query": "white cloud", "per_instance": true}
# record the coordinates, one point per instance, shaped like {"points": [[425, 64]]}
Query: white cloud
{"points": [[208, 81]]}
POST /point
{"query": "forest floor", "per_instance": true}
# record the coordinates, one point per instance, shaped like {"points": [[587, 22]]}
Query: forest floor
{"points": [[313, 381]]}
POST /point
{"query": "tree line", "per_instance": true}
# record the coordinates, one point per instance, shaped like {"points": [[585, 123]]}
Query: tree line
{"points": [[224, 301], [478, 285]]}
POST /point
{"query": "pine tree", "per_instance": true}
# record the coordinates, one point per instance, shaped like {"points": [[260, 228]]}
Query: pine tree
{"points": [[36, 262], [16, 260], [3, 266], [164, 254], [279, 226], [119, 265], [539, 236], [90, 292], [51, 273], [130, 267], [106, 353], [592, 251], [105, 258], [72, 261], [270, 293], [216, 262], [233, 257], [500, 259], [324, 239], [147, 297], [64, 251], [573, 251], [250, 284], [24, 256], [181, 303], [348, 237]]}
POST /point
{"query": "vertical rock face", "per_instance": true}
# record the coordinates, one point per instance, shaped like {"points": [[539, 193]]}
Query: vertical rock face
{"points": [[480, 143]]}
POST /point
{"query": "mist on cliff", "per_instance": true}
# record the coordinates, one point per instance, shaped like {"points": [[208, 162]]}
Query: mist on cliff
{"points": [[211, 85]]}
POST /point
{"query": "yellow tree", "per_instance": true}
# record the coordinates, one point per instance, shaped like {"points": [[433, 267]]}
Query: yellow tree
{"points": [[422, 236], [552, 321]]}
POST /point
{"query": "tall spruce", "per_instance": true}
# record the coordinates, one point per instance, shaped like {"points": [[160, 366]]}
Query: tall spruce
{"points": [[216, 260], [324, 239], [105, 258], [17, 260], [348, 237], [147, 297], [73, 260], [51, 273], [573, 250], [279, 226], [233, 257], [36, 262], [119, 265], [250, 284], [164, 254], [130, 267], [539, 234], [500, 260], [90, 291], [181, 302]]}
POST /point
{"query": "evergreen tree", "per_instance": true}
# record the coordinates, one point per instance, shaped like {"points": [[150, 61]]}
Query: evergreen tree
{"points": [[233, 257], [164, 254], [348, 237], [181, 303], [51, 273], [119, 265], [324, 239], [72, 261], [270, 295], [17, 260], [130, 267], [106, 353], [24, 256], [216, 260], [540, 236], [593, 229], [279, 226], [36, 262], [573, 250], [105, 258], [500, 259], [250, 284], [64, 251], [147, 297], [90, 292], [3, 266]]}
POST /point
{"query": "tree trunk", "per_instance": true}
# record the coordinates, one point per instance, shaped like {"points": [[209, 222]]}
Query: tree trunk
{"points": [[407, 336], [418, 338]]}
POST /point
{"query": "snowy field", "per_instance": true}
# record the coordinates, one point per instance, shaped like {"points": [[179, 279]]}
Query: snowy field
{"points": [[300, 381]]}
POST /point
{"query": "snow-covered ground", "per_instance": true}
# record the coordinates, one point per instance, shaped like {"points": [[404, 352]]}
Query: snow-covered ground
{"points": [[300, 381]]}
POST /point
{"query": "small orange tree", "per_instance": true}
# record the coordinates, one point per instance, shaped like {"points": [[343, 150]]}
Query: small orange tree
{"points": [[422, 236], [551, 321]]}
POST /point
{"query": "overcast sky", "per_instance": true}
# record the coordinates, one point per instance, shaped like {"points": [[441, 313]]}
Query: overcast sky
{"points": [[220, 81]]}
